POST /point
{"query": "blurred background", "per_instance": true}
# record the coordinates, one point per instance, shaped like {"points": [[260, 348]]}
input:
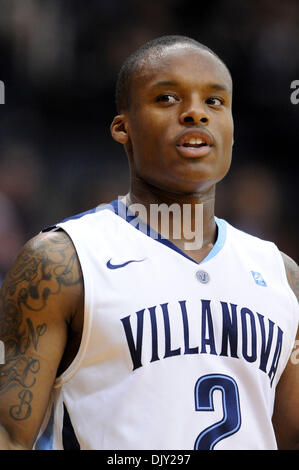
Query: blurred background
{"points": [[59, 61]]}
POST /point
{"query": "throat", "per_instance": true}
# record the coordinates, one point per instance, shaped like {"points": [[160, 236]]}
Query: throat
{"points": [[196, 255]]}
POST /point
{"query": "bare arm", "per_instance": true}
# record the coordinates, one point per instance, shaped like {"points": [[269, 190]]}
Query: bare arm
{"points": [[38, 299], [286, 410]]}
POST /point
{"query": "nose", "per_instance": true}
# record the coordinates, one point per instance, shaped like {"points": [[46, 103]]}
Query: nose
{"points": [[194, 115]]}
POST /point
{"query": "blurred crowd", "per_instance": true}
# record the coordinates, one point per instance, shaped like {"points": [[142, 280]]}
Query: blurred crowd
{"points": [[59, 61]]}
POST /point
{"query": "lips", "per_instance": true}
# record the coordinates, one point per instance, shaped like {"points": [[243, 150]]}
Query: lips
{"points": [[194, 143]]}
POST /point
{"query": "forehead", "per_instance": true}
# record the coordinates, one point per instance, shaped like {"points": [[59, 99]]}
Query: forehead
{"points": [[185, 64]]}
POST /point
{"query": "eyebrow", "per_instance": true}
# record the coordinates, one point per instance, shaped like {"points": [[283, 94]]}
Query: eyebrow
{"points": [[165, 83], [217, 86], [211, 86]]}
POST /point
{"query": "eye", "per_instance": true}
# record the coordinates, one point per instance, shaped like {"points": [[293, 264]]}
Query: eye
{"points": [[167, 98], [215, 101]]}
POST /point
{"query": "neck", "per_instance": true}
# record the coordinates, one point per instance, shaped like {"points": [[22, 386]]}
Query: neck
{"points": [[180, 217]]}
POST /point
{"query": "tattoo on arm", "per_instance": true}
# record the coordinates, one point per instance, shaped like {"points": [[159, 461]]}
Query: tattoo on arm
{"points": [[294, 282], [38, 273]]}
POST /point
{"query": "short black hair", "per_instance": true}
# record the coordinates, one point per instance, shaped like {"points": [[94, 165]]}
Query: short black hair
{"points": [[131, 65]]}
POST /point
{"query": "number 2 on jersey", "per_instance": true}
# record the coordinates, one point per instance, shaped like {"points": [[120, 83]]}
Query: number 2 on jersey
{"points": [[231, 421]]}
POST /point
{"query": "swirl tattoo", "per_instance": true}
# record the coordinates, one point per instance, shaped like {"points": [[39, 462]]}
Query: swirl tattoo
{"points": [[38, 273]]}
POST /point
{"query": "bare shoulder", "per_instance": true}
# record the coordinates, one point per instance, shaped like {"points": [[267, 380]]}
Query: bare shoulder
{"points": [[52, 248], [48, 262], [292, 270]]}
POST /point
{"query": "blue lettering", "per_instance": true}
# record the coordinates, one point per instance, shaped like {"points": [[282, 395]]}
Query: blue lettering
{"points": [[188, 350], [232, 318], [246, 312], [276, 356], [207, 320], [155, 356], [135, 348], [265, 349], [168, 351], [229, 330]]}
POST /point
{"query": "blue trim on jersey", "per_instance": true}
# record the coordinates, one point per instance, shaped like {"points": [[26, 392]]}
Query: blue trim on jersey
{"points": [[221, 236], [120, 209], [45, 441], [81, 214]]}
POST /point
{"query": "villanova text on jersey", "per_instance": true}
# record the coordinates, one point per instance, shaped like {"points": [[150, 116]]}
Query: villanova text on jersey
{"points": [[242, 331]]}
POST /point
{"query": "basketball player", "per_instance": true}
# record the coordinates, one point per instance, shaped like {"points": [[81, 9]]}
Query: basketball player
{"points": [[139, 341]]}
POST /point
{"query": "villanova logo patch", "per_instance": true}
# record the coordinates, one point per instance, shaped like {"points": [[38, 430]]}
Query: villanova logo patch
{"points": [[203, 277], [258, 279]]}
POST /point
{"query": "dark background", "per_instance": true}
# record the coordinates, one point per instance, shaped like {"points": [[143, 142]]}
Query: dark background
{"points": [[59, 60]]}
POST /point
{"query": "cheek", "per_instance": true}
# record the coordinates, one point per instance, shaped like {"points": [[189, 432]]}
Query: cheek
{"points": [[225, 143], [144, 147], [230, 130], [226, 134], [146, 136]]}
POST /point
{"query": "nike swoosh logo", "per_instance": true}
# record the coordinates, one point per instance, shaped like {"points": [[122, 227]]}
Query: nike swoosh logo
{"points": [[117, 266]]}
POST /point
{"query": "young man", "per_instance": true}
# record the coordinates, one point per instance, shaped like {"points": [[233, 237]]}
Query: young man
{"points": [[145, 341]]}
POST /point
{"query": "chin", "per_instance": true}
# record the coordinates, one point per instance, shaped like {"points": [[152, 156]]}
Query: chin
{"points": [[198, 175], [197, 183], [186, 182], [185, 186]]}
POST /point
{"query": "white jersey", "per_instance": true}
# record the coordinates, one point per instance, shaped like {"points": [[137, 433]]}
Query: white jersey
{"points": [[174, 354]]}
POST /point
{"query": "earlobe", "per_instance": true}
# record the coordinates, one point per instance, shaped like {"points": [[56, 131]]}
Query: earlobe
{"points": [[119, 129]]}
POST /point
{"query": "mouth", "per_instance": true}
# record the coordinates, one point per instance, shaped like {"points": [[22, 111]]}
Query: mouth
{"points": [[194, 144]]}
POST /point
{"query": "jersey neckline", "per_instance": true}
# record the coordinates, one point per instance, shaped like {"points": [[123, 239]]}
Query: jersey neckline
{"points": [[123, 211]]}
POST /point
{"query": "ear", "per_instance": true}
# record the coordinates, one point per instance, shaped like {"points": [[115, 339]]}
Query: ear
{"points": [[119, 129]]}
